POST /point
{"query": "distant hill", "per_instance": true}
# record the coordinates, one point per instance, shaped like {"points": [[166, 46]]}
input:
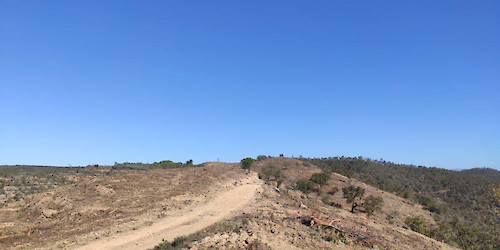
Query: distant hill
{"points": [[492, 174]]}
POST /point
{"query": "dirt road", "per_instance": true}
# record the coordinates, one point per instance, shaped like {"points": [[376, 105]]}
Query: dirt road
{"points": [[184, 222]]}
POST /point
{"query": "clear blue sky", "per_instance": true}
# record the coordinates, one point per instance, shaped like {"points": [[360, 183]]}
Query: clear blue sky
{"points": [[414, 82]]}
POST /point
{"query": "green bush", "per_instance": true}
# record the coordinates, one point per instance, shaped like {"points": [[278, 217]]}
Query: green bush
{"points": [[257, 244], [262, 157], [306, 186], [180, 242], [417, 224], [372, 204], [272, 173], [154, 165], [391, 216], [320, 178]]}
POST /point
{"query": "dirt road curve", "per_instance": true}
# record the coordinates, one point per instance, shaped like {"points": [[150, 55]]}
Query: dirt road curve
{"points": [[224, 205]]}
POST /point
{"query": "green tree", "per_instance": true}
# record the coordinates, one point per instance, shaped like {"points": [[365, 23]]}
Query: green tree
{"points": [[320, 178], [352, 195], [372, 204], [247, 163]]}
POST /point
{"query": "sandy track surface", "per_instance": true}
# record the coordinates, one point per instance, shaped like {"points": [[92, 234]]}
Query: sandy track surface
{"points": [[184, 222]]}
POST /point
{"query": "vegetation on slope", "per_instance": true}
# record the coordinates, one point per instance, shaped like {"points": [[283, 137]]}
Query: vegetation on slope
{"points": [[463, 202], [17, 182], [154, 165], [237, 225]]}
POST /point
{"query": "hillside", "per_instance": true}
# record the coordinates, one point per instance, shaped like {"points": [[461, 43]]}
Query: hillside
{"points": [[104, 201], [281, 218], [465, 204], [200, 207]]}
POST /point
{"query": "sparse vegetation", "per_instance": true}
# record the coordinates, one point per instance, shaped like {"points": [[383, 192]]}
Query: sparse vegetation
{"points": [[391, 216], [177, 243], [17, 182], [268, 219], [234, 225], [333, 191], [257, 245], [155, 165], [263, 157], [271, 172]]}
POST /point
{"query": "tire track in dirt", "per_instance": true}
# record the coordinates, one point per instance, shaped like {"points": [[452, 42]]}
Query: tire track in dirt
{"points": [[226, 204]]}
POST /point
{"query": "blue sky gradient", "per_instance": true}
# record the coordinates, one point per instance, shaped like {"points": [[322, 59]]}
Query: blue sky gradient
{"points": [[84, 82]]}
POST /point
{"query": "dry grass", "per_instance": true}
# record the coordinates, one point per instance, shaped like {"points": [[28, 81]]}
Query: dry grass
{"points": [[92, 205]]}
